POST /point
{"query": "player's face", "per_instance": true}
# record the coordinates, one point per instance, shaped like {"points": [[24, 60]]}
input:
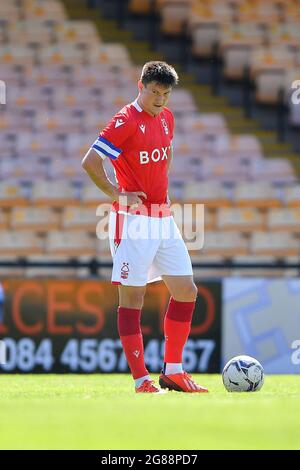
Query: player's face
{"points": [[154, 97]]}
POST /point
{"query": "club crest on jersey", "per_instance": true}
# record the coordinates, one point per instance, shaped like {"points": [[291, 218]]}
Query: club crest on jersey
{"points": [[143, 128], [119, 122], [165, 126], [125, 271]]}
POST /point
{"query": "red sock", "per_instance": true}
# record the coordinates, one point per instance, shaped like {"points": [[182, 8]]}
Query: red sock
{"points": [[129, 328], [177, 327]]}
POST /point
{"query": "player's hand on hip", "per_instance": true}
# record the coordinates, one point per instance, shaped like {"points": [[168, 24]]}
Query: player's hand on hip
{"points": [[128, 198]]}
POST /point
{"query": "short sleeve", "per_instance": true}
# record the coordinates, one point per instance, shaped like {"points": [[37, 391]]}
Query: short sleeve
{"points": [[172, 123], [170, 120], [114, 135]]}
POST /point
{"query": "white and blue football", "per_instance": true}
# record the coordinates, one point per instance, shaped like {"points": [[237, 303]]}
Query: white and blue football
{"points": [[243, 374]]}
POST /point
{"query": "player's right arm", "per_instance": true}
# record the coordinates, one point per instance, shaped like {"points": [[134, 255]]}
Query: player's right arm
{"points": [[109, 145], [93, 165]]}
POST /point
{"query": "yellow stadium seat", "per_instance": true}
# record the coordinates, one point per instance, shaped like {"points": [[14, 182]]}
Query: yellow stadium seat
{"points": [[79, 218], [34, 218], [240, 219], [11, 195]]}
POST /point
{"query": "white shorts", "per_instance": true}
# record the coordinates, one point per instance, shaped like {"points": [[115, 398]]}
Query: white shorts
{"points": [[145, 248]]}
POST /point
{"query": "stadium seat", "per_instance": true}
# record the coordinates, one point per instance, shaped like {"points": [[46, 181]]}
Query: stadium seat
{"points": [[70, 54], [92, 196], [292, 196], [66, 169], [291, 12], [70, 243], [29, 33], [237, 43], [3, 220], [226, 244], [277, 244], [258, 195], [174, 16], [268, 66], [203, 123], [17, 55], [256, 11], [239, 219], [211, 194], [34, 219], [182, 101], [140, 7], [276, 170], [227, 170], [192, 219], [8, 12], [52, 193], [109, 53], [20, 243], [16, 171], [41, 11], [79, 218], [286, 33], [283, 219], [204, 25], [76, 32], [11, 194]]}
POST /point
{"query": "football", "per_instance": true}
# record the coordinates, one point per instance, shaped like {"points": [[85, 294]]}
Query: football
{"points": [[243, 374]]}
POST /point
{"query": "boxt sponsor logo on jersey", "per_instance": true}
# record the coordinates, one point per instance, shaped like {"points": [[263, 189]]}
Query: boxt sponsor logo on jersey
{"points": [[156, 155]]}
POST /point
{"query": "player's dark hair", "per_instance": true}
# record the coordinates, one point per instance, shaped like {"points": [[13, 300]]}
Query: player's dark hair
{"points": [[159, 72]]}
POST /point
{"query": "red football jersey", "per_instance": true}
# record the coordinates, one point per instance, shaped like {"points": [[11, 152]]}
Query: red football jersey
{"points": [[138, 146]]}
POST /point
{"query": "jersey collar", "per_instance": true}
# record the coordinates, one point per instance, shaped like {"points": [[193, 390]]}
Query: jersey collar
{"points": [[137, 106]]}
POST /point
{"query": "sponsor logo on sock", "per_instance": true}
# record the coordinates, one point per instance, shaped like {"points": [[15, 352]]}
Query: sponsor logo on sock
{"points": [[136, 353]]}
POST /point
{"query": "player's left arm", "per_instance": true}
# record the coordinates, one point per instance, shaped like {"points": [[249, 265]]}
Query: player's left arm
{"points": [[170, 157]]}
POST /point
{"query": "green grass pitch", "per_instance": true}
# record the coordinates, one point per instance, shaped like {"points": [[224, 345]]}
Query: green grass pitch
{"points": [[103, 412]]}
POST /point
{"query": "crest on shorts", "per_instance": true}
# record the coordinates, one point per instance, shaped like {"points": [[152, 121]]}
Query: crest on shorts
{"points": [[125, 271]]}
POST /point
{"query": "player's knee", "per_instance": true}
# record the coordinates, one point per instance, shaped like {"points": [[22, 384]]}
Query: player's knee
{"points": [[192, 291], [133, 298], [188, 292]]}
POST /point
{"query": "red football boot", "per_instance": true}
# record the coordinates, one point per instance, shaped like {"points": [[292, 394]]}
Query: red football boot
{"points": [[181, 382], [148, 386]]}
